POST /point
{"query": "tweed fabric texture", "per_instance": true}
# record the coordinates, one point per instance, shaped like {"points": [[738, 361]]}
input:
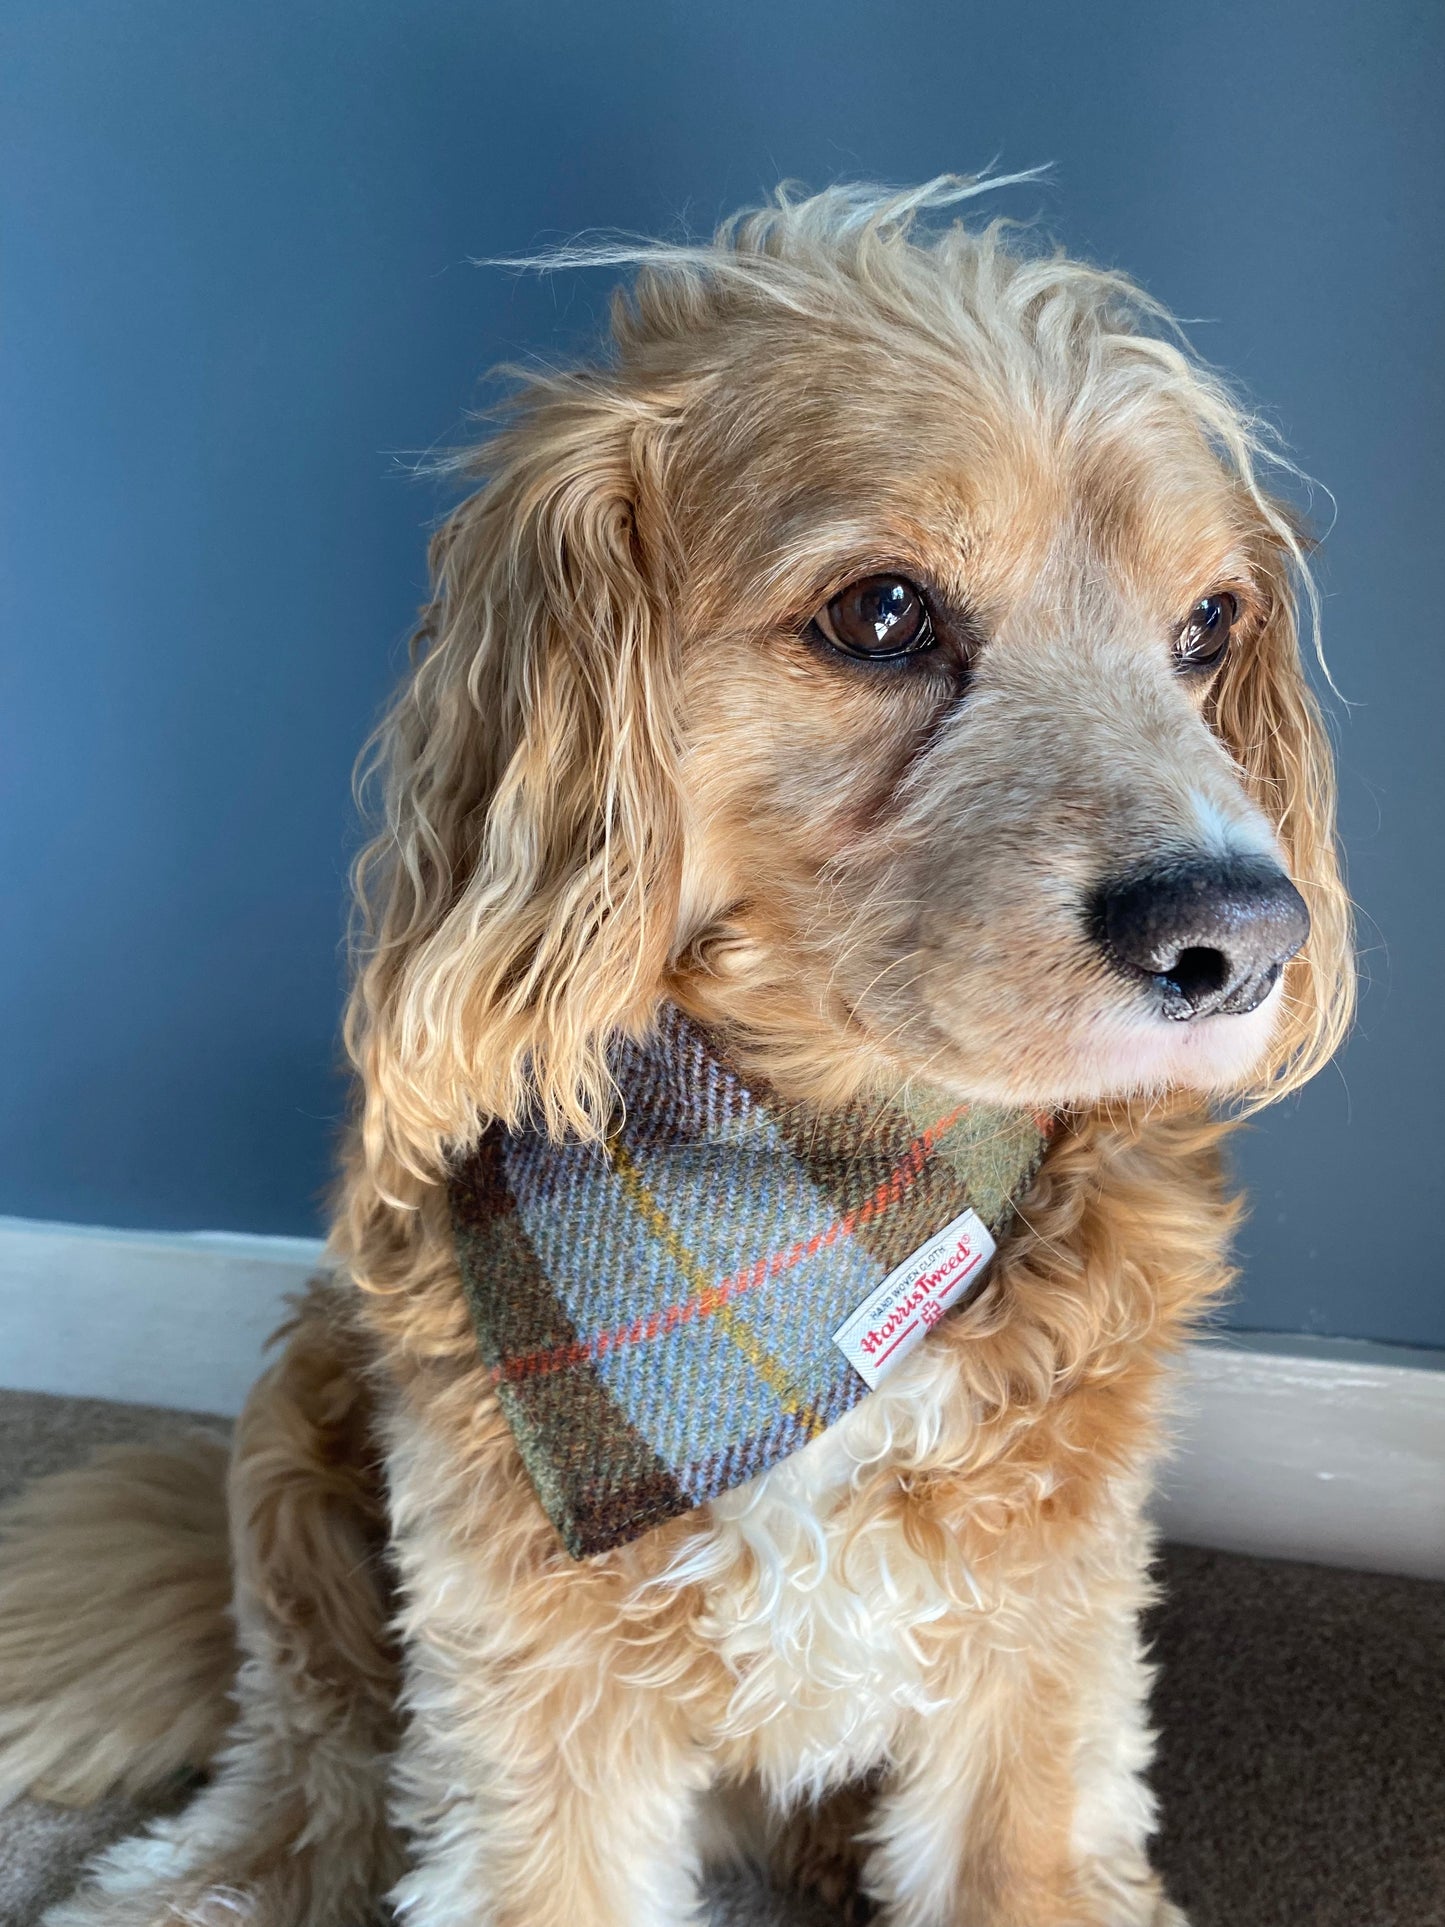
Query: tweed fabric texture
{"points": [[657, 1313]]}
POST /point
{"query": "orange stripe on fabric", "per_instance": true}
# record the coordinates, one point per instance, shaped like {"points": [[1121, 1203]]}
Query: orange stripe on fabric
{"points": [[713, 1297]]}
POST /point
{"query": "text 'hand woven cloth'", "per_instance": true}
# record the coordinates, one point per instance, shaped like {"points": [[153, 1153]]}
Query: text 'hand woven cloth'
{"points": [[663, 1316]]}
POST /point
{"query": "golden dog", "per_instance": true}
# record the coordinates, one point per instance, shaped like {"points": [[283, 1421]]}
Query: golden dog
{"points": [[888, 655]]}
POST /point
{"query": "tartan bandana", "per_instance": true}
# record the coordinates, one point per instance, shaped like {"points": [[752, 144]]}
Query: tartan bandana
{"points": [[658, 1314]]}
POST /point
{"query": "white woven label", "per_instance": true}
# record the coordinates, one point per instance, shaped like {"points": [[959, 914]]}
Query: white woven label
{"points": [[896, 1318]]}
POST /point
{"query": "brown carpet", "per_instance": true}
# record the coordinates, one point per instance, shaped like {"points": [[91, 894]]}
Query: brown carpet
{"points": [[1302, 1711], [1302, 1753]]}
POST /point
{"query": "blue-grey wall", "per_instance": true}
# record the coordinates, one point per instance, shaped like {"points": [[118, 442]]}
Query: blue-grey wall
{"points": [[237, 303]]}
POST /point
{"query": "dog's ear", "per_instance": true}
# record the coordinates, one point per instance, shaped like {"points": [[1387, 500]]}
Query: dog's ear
{"points": [[520, 904], [1265, 710]]}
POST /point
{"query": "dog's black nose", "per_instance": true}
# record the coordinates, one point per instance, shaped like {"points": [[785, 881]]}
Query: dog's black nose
{"points": [[1211, 934]]}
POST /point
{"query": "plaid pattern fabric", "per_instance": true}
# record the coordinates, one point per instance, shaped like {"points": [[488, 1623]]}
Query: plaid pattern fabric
{"points": [[657, 1315]]}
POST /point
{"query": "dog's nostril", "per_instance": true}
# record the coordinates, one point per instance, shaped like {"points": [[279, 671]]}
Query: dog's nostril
{"points": [[1208, 934], [1198, 973]]}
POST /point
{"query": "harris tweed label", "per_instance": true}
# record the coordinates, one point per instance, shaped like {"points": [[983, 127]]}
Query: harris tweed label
{"points": [[896, 1318]]}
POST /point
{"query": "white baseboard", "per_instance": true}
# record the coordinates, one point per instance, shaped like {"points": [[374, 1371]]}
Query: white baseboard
{"points": [[1332, 1452], [173, 1318], [1288, 1447]]}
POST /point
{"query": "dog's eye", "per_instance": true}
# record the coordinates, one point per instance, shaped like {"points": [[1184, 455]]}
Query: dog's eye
{"points": [[1202, 641], [879, 617]]}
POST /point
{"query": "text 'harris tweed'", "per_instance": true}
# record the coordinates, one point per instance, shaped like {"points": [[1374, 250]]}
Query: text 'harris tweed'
{"points": [[658, 1314]]}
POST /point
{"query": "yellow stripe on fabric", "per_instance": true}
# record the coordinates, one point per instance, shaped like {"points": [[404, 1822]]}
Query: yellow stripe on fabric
{"points": [[773, 1375]]}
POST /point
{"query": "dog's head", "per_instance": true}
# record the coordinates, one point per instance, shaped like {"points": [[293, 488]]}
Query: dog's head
{"points": [[890, 652]]}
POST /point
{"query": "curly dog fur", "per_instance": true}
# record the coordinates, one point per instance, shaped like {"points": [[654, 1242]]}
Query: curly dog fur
{"points": [[623, 768]]}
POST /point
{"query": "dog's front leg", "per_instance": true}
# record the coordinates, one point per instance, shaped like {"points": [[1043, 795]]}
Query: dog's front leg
{"points": [[1022, 1803], [973, 1827], [557, 1815], [548, 1776]]}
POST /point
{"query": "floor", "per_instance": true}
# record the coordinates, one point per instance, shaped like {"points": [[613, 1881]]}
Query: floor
{"points": [[1301, 1711]]}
